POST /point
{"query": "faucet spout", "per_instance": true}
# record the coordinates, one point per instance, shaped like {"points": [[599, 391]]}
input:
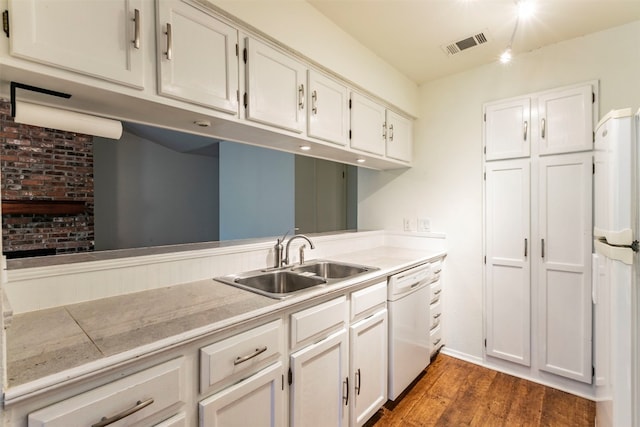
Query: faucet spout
{"points": [[285, 261]]}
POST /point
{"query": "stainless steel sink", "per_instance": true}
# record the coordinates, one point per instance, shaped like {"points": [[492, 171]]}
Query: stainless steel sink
{"points": [[332, 269], [279, 283], [286, 281]]}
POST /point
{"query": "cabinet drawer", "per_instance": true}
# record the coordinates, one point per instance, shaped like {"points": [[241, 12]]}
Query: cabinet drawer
{"points": [[435, 338], [318, 321], [179, 420], [368, 299], [140, 395], [436, 291], [435, 313], [240, 355]]}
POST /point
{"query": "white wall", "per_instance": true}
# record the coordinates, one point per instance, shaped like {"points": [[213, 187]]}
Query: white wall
{"points": [[445, 183], [298, 25]]}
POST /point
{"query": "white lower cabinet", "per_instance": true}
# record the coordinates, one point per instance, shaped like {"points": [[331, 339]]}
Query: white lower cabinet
{"points": [[138, 399], [179, 420], [319, 393], [256, 401], [368, 366]]}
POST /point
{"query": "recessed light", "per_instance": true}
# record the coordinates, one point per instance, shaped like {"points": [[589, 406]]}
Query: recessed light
{"points": [[506, 56], [526, 9], [305, 147], [202, 123]]}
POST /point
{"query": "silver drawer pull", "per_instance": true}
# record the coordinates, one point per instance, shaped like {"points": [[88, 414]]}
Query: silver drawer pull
{"points": [[436, 316], [436, 342], [437, 292], [435, 325], [241, 359], [136, 28], [139, 406], [169, 33]]}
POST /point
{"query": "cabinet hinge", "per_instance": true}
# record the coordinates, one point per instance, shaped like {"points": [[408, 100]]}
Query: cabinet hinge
{"points": [[485, 149], [237, 50], [485, 343], [593, 97], [594, 168], [485, 117], [244, 100], [238, 96], [349, 133], [485, 259], [593, 372], [290, 377], [349, 104], [635, 246], [5, 22], [244, 55], [282, 381], [484, 176]]}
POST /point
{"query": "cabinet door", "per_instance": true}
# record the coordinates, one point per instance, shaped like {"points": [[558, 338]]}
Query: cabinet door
{"points": [[368, 366], [97, 38], [256, 401], [320, 388], [565, 268], [368, 127], [328, 109], [187, 36], [566, 120], [275, 87], [399, 137], [507, 129], [508, 296]]}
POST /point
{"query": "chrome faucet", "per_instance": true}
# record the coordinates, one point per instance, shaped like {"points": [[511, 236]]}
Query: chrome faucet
{"points": [[285, 261]]}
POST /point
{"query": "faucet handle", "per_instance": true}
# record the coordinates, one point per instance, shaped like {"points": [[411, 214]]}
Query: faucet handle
{"points": [[283, 237]]}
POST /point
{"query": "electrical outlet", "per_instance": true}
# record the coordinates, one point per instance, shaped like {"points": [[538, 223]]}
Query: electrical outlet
{"points": [[407, 224], [424, 224]]}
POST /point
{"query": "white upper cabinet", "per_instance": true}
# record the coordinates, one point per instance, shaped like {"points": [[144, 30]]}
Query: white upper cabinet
{"points": [[368, 125], [399, 137], [275, 87], [327, 114], [100, 38], [197, 57], [507, 131], [566, 120]]}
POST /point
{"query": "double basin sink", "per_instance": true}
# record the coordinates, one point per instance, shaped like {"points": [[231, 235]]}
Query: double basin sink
{"points": [[283, 282]]}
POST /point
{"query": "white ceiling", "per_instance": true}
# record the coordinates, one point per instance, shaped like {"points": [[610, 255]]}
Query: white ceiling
{"points": [[409, 33]]}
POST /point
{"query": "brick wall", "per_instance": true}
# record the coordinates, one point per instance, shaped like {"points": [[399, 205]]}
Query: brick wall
{"points": [[45, 165]]}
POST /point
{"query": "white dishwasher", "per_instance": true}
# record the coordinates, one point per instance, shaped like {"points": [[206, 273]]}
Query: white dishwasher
{"points": [[408, 299]]}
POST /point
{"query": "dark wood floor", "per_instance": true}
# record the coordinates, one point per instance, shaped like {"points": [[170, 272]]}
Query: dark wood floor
{"points": [[457, 393]]}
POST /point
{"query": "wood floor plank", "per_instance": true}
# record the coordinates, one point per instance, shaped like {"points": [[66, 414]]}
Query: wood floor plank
{"points": [[453, 392]]}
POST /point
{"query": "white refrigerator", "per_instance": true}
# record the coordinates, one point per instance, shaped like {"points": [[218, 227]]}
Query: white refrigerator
{"points": [[616, 269]]}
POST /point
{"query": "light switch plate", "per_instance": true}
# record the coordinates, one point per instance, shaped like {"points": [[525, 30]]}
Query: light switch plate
{"points": [[424, 224]]}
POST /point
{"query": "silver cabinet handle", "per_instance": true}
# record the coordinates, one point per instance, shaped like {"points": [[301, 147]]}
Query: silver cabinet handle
{"points": [[110, 420], [435, 325], [384, 130], [526, 244], [359, 378], [391, 132], [314, 102], [169, 42], [437, 292], [436, 342], [542, 247], [136, 28], [437, 316], [544, 125], [241, 359], [301, 97], [526, 128]]}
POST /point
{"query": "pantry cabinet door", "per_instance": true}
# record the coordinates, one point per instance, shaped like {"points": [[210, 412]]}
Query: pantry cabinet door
{"points": [[507, 129], [508, 246], [319, 392], [328, 113], [100, 38], [197, 59], [565, 269], [276, 90], [566, 120]]}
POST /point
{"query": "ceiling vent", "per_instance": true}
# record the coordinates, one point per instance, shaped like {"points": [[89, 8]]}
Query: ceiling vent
{"points": [[466, 43]]}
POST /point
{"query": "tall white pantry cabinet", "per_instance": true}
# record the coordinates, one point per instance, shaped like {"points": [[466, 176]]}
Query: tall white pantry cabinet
{"points": [[538, 175]]}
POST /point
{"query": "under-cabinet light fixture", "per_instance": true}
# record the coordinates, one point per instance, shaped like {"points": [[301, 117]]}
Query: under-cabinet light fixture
{"points": [[361, 160], [305, 147]]}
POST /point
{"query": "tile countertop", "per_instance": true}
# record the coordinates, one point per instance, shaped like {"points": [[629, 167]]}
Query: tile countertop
{"points": [[51, 346]]}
